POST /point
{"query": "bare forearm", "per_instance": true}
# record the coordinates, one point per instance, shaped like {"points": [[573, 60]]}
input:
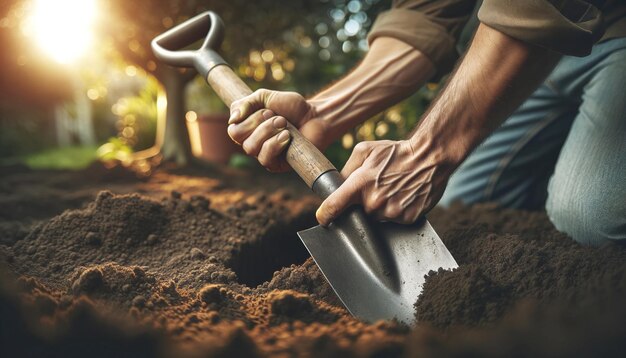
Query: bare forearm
{"points": [[390, 72], [496, 75]]}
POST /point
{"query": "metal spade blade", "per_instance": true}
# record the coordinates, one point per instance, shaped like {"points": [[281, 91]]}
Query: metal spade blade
{"points": [[377, 270]]}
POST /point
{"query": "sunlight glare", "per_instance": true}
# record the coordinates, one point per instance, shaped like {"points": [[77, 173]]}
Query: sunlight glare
{"points": [[62, 28]]}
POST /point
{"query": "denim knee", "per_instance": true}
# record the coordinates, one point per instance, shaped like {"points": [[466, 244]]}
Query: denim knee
{"points": [[591, 216]]}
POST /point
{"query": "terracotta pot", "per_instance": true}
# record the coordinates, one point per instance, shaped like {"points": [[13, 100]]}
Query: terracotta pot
{"points": [[208, 137]]}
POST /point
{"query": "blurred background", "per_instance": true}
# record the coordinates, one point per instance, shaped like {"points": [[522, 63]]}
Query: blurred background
{"points": [[79, 83]]}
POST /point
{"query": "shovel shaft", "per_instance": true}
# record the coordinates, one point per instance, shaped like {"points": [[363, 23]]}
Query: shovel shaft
{"points": [[302, 155]]}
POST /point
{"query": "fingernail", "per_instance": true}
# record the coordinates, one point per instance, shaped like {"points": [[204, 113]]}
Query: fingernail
{"points": [[283, 137], [234, 115], [279, 123], [230, 131], [268, 114], [318, 217]]}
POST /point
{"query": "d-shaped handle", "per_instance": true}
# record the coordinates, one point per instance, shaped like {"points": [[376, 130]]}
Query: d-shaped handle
{"points": [[168, 47]]}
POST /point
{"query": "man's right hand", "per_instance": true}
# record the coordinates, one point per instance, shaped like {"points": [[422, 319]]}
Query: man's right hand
{"points": [[258, 121]]}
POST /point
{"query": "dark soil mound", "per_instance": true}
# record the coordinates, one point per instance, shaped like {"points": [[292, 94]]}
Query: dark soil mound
{"points": [[173, 235], [531, 262], [181, 240], [223, 274]]}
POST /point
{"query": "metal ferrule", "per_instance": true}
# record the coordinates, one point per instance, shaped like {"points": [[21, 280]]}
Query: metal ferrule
{"points": [[206, 60], [327, 183]]}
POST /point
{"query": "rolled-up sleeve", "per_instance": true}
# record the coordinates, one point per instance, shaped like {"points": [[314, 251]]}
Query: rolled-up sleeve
{"points": [[570, 27], [432, 27]]}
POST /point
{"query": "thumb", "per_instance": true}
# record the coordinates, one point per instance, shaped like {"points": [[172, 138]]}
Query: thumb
{"points": [[349, 193]]}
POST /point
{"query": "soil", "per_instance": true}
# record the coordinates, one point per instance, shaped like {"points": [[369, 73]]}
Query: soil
{"points": [[206, 262]]}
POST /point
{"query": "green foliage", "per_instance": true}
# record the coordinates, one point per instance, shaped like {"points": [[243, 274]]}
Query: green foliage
{"points": [[137, 116], [114, 150], [314, 49], [238, 160], [62, 158]]}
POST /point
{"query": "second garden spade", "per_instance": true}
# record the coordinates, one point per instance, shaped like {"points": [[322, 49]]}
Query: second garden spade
{"points": [[376, 269]]}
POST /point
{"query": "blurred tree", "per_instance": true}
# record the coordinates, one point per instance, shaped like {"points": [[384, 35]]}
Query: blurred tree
{"points": [[133, 24]]}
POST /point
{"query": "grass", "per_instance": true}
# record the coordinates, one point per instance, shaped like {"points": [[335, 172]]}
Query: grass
{"points": [[61, 158]]}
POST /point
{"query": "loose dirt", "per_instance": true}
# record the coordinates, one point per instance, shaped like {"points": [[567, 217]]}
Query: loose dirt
{"points": [[207, 263]]}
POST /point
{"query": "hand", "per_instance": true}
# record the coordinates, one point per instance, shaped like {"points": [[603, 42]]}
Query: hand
{"points": [[258, 121], [394, 181]]}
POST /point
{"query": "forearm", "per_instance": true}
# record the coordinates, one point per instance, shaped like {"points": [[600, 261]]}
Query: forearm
{"points": [[496, 75], [391, 71]]}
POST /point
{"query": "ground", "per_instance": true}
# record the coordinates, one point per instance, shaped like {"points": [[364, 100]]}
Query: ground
{"points": [[206, 262]]}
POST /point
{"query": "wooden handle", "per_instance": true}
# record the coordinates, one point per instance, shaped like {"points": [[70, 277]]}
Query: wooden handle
{"points": [[301, 154]]}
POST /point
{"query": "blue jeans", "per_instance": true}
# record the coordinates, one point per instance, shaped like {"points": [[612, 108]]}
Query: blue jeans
{"points": [[565, 147]]}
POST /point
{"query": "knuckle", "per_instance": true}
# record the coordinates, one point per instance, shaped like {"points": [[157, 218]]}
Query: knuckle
{"points": [[250, 147], [264, 159], [232, 133], [246, 147], [374, 207], [267, 149], [369, 209], [369, 205], [261, 127], [394, 212], [235, 104], [274, 149], [264, 95], [358, 178], [360, 147], [379, 201], [375, 201]]}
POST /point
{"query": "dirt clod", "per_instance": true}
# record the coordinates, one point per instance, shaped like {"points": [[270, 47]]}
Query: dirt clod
{"points": [[210, 294], [289, 303], [139, 301], [93, 239], [197, 254], [88, 281]]}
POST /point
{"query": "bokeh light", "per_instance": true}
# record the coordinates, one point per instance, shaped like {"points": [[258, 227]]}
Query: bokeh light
{"points": [[61, 28]]}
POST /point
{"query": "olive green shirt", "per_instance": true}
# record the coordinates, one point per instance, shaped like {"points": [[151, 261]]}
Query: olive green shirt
{"points": [[569, 27]]}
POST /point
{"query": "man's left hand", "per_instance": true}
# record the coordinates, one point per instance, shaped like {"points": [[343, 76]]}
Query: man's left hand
{"points": [[395, 181]]}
